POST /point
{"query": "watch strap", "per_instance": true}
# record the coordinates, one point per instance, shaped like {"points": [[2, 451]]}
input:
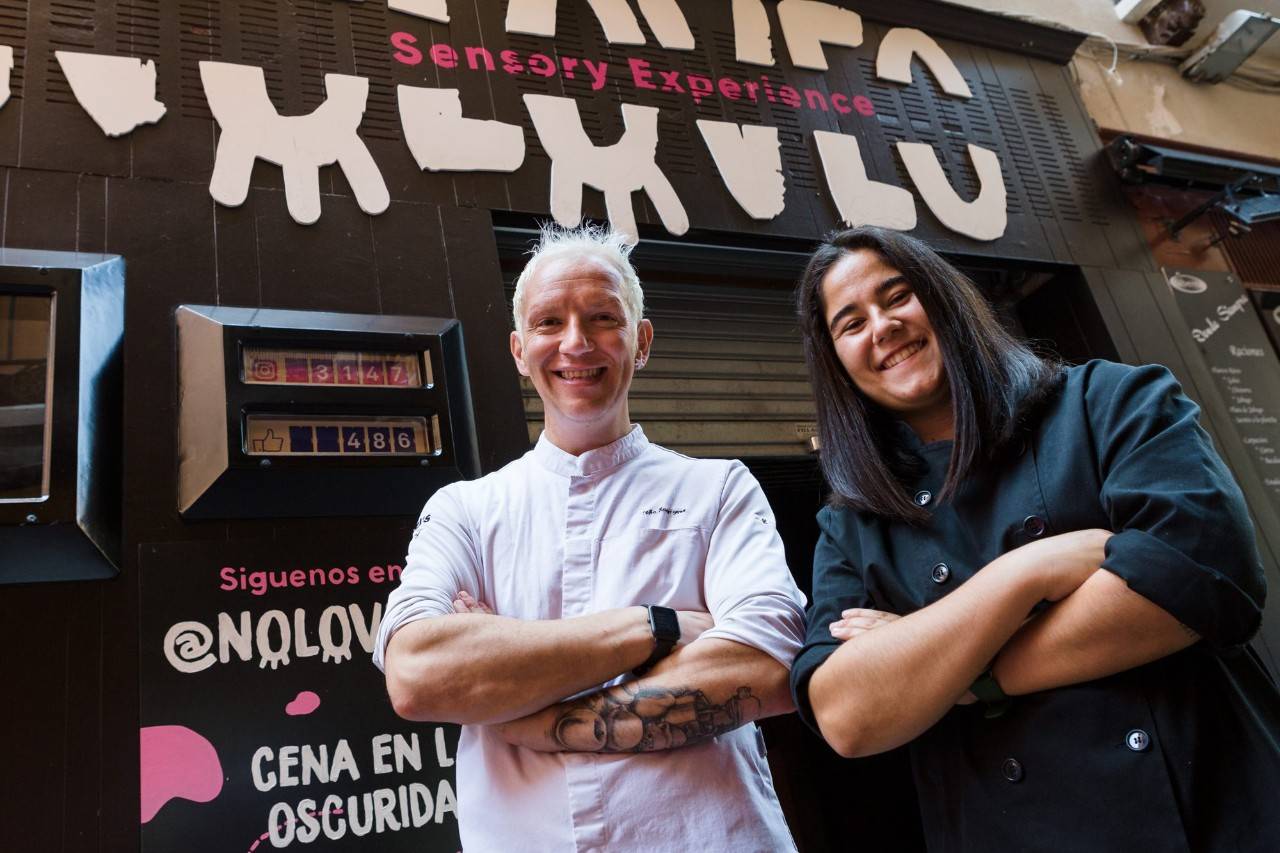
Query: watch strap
{"points": [[664, 624], [991, 694]]}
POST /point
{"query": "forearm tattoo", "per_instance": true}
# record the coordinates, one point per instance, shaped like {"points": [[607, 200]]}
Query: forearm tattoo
{"points": [[627, 718]]}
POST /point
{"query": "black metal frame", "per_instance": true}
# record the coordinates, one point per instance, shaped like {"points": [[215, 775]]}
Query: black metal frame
{"points": [[254, 486], [74, 533], [1238, 186]]}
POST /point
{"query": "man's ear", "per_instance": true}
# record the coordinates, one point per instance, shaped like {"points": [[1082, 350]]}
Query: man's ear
{"points": [[644, 341], [517, 352]]}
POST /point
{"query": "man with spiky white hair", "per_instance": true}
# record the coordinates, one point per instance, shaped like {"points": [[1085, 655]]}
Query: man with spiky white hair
{"points": [[606, 618]]}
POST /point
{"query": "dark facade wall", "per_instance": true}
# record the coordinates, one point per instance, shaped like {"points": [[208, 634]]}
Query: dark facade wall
{"points": [[70, 651]]}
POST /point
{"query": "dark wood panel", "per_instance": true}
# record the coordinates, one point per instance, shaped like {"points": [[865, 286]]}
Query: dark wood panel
{"points": [[475, 280], [85, 780], [165, 233], [1117, 328], [239, 280], [91, 229], [1055, 240], [63, 137], [176, 149], [35, 633], [413, 270], [405, 181], [327, 266], [41, 211]]}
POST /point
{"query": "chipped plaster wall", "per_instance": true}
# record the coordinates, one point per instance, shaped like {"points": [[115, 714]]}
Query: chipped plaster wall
{"points": [[1151, 98]]}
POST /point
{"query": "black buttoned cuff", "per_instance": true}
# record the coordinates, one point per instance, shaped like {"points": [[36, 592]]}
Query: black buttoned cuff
{"points": [[1204, 599], [811, 657]]}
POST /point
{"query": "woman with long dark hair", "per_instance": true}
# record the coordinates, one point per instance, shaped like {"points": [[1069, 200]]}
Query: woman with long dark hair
{"points": [[1041, 577]]}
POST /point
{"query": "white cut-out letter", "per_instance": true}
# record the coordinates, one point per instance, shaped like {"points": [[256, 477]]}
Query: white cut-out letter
{"points": [[901, 44], [750, 162], [118, 92], [432, 10], [442, 140], [752, 40], [984, 218], [860, 200], [6, 70], [668, 24], [538, 18], [617, 170], [299, 145], [807, 25]]}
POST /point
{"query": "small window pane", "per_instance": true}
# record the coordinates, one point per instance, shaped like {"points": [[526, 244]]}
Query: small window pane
{"points": [[25, 326]]}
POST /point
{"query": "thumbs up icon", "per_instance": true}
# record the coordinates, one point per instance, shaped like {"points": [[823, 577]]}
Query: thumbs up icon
{"points": [[269, 443]]}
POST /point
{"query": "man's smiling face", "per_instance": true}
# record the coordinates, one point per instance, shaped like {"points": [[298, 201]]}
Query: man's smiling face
{"points": [[580, 350]]}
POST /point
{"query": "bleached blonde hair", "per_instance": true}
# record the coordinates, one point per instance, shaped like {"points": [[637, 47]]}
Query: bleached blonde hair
{"points": [[594, 242]]}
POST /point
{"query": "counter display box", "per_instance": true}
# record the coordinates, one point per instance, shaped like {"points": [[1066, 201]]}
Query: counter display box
{"points": [[305, 413]]}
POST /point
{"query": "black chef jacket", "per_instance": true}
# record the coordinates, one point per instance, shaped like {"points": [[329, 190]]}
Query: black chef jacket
{"points": [[1182, 754]]}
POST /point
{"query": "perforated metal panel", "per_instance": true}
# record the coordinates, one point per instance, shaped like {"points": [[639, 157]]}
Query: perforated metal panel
{"points": [[138, 28], [317, 50], [71, 27], [369, 47], [1022, 108], [1255, 255], [13, 32], [200, 40], [258, 26]]}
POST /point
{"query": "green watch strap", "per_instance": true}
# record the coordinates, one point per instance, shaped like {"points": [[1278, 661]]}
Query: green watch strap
{"points": [[990, 694]]}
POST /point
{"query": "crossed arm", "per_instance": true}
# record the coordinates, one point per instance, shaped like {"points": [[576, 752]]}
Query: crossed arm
{"points": [[1182, 538], [472, 666], [702, 690], [893, 677], [475, 667]]}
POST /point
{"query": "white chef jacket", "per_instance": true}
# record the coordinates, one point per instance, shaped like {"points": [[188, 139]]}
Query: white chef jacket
{"points": [[552, 536]]}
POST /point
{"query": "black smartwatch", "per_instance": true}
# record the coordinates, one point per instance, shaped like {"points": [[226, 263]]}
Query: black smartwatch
{"points": [[665, 626]]}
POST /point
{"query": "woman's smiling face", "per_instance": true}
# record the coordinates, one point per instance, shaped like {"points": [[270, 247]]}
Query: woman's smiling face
{"points": [[886, 343]]}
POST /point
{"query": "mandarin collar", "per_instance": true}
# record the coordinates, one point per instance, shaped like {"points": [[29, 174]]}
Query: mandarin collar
{"points": [[908, 439], [591, 462]]}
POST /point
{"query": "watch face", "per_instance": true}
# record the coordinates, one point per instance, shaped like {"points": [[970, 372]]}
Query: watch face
{"points": [[665, 623]]}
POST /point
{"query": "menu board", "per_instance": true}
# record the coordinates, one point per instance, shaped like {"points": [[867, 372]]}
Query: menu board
{"points": [[1268, 304], [1236, 349], [264, 724]]}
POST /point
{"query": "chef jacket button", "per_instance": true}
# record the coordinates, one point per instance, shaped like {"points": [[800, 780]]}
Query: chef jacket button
{"points": [[1012, 769], [1033, 525], [923, 497], [1137, 740], [940, 573]]}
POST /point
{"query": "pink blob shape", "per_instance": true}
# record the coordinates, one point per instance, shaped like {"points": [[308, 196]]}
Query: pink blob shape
{"points": [[176, 762], [304, 703]]}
